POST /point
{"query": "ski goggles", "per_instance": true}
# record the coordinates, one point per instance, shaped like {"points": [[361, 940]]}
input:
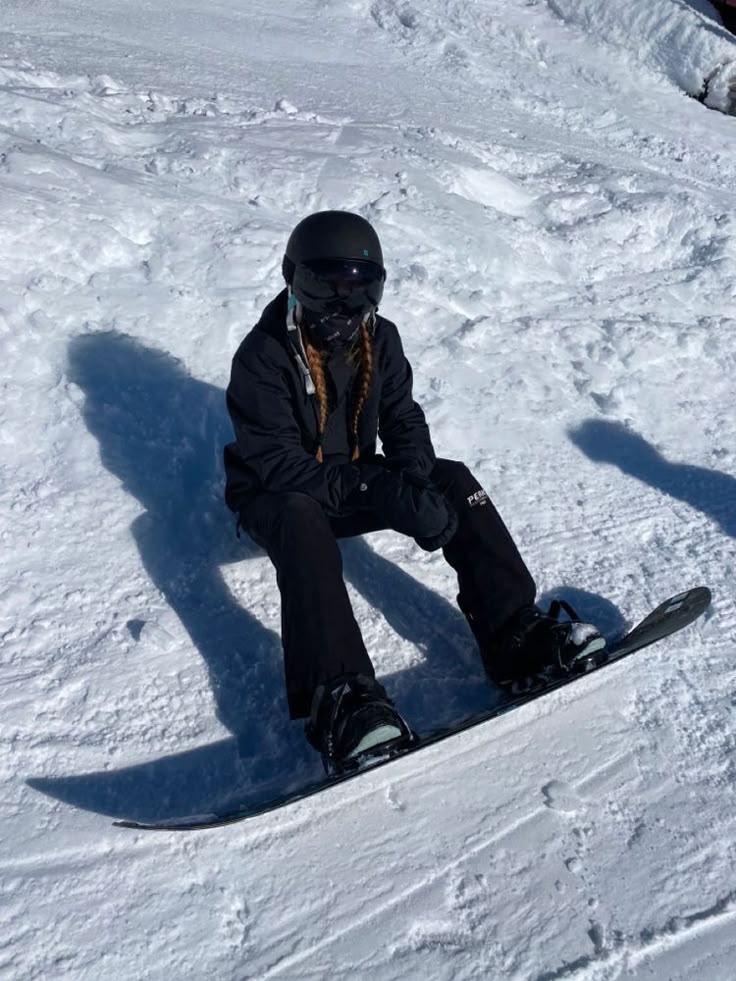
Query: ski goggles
{"points": [[330, 286]]}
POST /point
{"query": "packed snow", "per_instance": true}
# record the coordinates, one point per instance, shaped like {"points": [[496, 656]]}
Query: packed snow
{"points": [[558, 221]]}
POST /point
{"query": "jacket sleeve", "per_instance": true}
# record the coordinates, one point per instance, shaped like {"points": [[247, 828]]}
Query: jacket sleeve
{"points": [[268, 437], [402, 428]]}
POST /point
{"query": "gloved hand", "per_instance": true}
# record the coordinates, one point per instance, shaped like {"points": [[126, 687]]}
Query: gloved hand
{"points": [[408, 503], [431, 543]]}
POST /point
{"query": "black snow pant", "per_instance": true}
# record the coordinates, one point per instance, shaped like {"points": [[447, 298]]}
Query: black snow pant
{"points": [[320, 635]]}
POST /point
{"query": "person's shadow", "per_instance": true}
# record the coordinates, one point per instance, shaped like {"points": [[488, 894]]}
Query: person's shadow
{"points": [[710, 491], [161, 432]]}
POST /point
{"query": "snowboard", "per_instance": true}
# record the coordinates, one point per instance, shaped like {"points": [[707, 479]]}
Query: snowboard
{"points": [[669, 617]]}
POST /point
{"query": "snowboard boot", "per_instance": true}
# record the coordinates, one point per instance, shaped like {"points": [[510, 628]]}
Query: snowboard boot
{"points": [[533, 648], [353, 720]]}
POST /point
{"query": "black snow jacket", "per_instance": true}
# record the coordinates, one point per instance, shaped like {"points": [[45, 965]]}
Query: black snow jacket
{"points": [[275, 419]]}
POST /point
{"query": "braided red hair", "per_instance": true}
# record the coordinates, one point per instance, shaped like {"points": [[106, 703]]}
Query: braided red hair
{"points": [[317, 360]]}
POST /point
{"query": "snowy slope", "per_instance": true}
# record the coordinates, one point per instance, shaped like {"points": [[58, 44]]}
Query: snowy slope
{"points": [[558, 221]]}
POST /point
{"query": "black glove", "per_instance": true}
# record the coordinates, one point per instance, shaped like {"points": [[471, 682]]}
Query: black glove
{"points": [[408, 503], [431, 543]]}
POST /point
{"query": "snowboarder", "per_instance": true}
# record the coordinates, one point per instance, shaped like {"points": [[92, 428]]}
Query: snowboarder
{"points": [[313, 384]]}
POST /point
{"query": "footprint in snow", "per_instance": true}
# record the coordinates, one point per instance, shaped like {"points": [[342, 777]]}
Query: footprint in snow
{"points": [[560, 796]]}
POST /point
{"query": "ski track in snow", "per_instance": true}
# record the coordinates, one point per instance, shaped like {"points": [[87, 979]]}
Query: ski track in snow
{"points": [[558, 223]]}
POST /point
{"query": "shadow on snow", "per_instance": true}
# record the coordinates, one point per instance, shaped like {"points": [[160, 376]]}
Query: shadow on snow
{"points": [[709, 491], [161, 432]]}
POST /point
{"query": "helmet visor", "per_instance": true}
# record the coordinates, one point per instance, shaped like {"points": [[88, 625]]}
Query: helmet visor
{"points": [[339, 285]]}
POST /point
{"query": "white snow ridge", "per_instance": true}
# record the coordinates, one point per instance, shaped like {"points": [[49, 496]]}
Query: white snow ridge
{"points": [[558, 221]]}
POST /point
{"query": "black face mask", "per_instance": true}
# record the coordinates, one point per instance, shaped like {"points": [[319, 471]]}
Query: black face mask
{"points": [[333, 330]]}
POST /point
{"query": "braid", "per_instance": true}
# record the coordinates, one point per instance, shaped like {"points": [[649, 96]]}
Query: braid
{"points": [[316, 359], [366, 375], [317, 367]]}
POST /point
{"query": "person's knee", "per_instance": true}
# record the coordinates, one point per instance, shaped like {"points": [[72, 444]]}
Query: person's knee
{"points": [[284, 518], [300, 513], [451, 473]]}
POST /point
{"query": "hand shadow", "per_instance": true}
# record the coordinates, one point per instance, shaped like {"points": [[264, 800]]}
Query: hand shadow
{"points": [[709, 491]]}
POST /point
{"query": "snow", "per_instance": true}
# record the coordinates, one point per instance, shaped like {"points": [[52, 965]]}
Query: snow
{"points": [[558, 221]]}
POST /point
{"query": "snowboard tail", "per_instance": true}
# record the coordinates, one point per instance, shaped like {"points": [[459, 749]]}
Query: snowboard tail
{"points": [[674, 614]]}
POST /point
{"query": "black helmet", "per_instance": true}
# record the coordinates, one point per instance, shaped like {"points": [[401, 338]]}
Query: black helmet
{"points": [[331, 235], [334, 265]]}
